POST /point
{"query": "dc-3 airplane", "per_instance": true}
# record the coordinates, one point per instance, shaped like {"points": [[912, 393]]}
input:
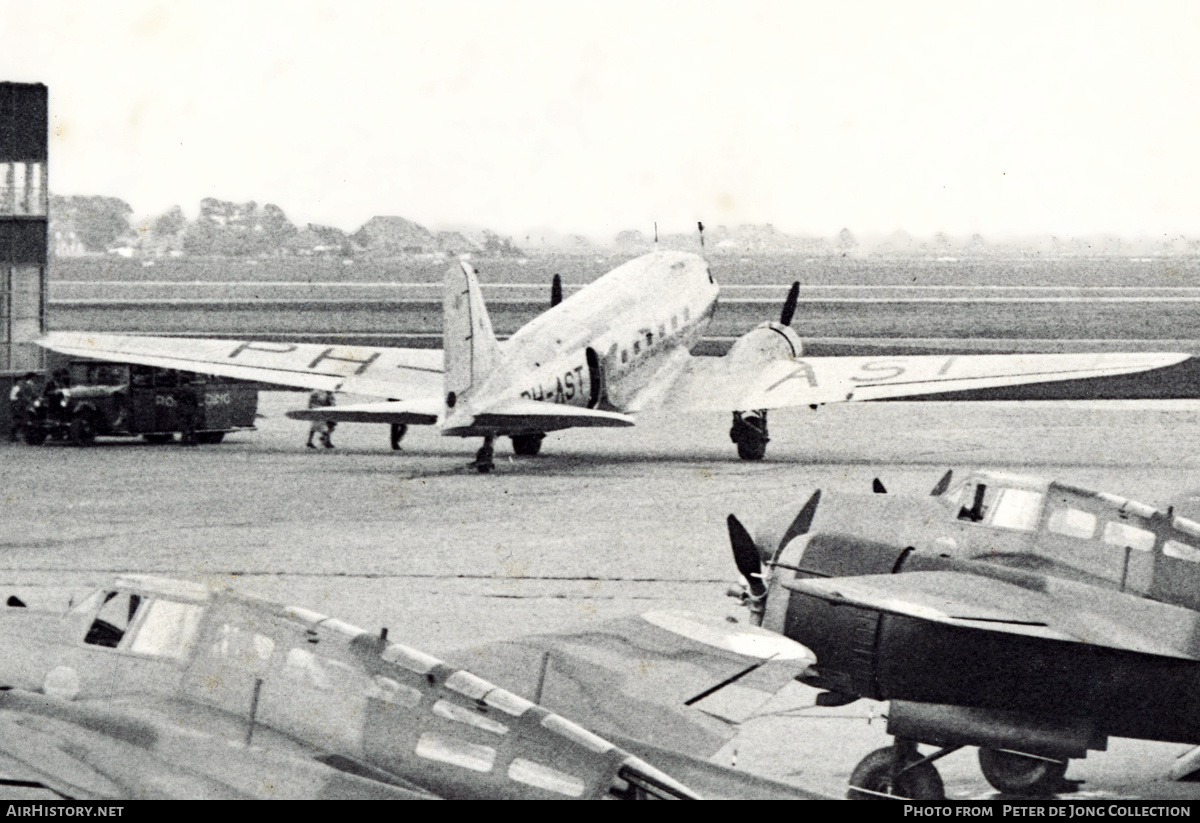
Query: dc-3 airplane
{"points": [[156, 688], [1032, 619], [616, 348]]}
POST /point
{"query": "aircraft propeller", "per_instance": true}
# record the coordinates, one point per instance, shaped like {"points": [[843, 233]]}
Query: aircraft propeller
{"points": [[745, 555], [789, 305], [556, 291]]}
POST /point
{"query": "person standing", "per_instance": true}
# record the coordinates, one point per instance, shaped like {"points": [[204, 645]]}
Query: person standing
{"points": [[321, 428], [20, 401]]}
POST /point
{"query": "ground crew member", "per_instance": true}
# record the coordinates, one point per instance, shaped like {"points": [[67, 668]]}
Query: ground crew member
{"points": [[398, 431], [322, 428], [189, 411], [20, 400]]}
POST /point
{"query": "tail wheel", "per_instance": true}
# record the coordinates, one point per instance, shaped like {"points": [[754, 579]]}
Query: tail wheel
{"points": [[873, 779], [1013, 773], [83, 429], [527, 445]]}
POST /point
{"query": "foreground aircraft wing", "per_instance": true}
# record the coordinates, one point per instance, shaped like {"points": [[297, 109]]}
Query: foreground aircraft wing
{"points": [[659, 682], [987, 604], [718, 385], [87, 752], [378, 372], [421, 412]]}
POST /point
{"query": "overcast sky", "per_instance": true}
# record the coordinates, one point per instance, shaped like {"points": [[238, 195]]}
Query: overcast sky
{"points": [[999, 118]]}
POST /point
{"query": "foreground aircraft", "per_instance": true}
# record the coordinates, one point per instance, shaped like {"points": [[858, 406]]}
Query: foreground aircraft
{"points": [[1032, 619], [617, 347], [156, 688]]}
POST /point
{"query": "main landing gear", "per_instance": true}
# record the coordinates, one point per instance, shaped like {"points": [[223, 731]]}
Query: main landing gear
{"points": [[901, 770], [527, 445], [749, 432]]}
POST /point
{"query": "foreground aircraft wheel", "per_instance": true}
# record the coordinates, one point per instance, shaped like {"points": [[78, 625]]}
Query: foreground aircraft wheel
{"points": [[83, 430], [1013, 773], [873, 774], [527, 445]]}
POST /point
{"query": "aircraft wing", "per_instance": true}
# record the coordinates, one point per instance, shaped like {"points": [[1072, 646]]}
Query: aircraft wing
{"points": [[649, 679], [717, 385], [84, 751], [987, 604], [421, 412], [378, 372]]}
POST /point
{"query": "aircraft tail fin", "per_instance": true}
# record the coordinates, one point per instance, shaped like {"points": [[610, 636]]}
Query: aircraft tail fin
{"points": [[470, 347]]}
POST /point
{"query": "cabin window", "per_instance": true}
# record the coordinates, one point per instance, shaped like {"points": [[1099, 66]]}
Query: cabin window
{"points": [[114, 619], [389, 691], [473, 756], [624, 355], [637, 348], [674, 323], [649, 339], [1122, 534], [169, 629], [461, 714], [1072, 523], [545, 777], [1173, 548], [1018, 509]]}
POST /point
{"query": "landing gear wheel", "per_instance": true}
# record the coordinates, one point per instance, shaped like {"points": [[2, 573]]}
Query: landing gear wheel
{"points": [[483, 458], [750, 435], [83, 429], [527, 445], [873, 775], [1013, 773]]}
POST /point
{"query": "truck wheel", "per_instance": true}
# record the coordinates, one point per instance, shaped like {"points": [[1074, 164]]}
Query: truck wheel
{"points": [[34, 435], [158, 439], [210, 437], [83, 429], [1013, 773]]}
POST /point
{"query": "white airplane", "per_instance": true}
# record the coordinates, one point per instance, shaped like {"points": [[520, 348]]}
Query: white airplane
{"points": [[616, 348]]}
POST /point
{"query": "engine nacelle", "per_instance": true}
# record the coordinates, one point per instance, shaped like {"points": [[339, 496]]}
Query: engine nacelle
{"points": [[765, 343]]}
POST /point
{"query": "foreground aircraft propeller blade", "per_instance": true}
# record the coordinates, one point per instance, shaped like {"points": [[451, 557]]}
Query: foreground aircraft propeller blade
{"points": [[789, 305], [878, 487], [802, 523], [556, 291], [745, 555]]}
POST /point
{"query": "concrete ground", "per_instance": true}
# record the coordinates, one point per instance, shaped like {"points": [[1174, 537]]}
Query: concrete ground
{"points": [[604, 523]]}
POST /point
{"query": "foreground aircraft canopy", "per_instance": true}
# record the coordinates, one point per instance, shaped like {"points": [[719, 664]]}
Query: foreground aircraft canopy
{"points": [[617, 347], [1032, 619], [154, 688]]}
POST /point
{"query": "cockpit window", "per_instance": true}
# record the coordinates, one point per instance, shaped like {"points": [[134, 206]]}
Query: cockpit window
{"points": [[1018, 509], [168, 629], [1072, 523], [113, 620]]}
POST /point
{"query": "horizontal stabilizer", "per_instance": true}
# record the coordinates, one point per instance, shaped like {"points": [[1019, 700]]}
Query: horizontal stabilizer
{"points": [[421, 412], [519, 415]]}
